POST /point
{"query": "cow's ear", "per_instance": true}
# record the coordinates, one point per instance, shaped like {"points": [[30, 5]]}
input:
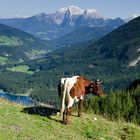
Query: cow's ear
{"points": [[98, 81]]}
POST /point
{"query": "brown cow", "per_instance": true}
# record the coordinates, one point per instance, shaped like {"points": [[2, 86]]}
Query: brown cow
{"points": [[74, 89]]}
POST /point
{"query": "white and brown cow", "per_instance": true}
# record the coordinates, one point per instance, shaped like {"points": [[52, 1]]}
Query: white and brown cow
{"points": [[74, 89]]}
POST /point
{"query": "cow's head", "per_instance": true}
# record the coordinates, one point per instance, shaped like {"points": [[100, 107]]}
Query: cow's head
{"points": [[95, 88]]}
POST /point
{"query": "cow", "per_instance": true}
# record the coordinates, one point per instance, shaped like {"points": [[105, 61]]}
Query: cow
{"points": [[74, 89]]}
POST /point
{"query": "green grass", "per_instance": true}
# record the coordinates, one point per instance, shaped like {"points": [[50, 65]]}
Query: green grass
{"points": [[3, 60], [10, 41], [21, 68], [16, 125]]}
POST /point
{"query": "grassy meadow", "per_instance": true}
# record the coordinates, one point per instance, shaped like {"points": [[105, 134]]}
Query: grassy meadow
{"points": [[21, 68], [10, 41], [18, 125]]}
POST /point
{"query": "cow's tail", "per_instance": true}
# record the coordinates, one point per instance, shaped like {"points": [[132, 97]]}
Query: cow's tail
{"points": [[63, 97], [60, 94], [59, 90]]}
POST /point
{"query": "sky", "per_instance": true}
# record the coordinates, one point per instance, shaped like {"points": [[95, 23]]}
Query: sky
{"points": [[107, 8]]}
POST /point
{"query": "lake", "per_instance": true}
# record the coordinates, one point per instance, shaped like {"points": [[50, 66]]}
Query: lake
{"points": [[24, 100]]}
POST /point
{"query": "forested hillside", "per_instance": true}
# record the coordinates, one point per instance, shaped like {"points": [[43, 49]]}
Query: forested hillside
{"points": [[117, 105], [17, 45], [16, 48], [81, 35]]}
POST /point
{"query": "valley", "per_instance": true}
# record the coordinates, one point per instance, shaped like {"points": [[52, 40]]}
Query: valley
{"points": [[40, 65]]}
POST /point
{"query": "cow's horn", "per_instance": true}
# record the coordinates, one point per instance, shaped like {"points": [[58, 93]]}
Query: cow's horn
{"points": [[98, 81]]}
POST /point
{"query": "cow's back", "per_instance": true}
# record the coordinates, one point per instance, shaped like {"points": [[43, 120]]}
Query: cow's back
{"points": [[78, 90]]}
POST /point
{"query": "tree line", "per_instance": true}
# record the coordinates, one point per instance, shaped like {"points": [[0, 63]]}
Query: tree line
{"points": [[117, 105]]}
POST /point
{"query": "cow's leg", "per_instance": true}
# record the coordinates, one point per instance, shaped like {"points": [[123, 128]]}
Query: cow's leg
{"points": [[66, 116], [69, 103], [80, 105], [70, 108]]}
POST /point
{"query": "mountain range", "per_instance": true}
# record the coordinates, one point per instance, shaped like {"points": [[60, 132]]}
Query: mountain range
{"points": [[62, 22], [110, 58]]}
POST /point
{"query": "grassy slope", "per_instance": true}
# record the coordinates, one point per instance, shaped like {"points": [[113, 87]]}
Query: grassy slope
{"points": [[17, 125], [3, 60], [10, 41], [21, 68]]}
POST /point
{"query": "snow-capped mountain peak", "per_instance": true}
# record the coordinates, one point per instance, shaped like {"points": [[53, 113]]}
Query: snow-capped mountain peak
{"points": [[74, 16], [74, 10], [93, 13]]}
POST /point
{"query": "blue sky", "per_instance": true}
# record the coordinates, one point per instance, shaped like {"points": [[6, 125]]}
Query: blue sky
{"points": [[107, 8]]}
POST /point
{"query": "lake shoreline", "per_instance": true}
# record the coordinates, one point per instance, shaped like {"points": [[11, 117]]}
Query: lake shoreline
{"points": [[27, 94], [21, 99]]}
